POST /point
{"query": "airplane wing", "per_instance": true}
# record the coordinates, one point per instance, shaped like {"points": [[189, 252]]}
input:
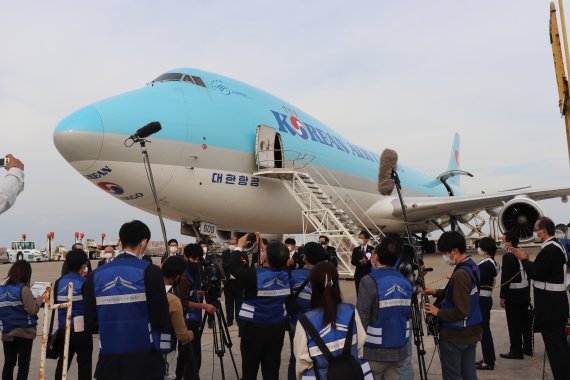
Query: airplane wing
{"points": [[421, 208]]}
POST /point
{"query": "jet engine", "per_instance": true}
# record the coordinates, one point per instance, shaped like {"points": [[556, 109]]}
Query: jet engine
{"points": [[519, 215]]}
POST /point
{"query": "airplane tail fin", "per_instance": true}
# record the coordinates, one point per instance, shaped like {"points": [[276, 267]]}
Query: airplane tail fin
{"points": [[454, 159]]}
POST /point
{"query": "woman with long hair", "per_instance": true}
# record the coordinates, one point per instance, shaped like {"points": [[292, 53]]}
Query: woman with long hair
{"points": [[18, 320], [331, 318]]}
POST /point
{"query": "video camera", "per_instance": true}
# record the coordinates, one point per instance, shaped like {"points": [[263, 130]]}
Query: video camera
{"points": [[4, 162], [213, 276]]}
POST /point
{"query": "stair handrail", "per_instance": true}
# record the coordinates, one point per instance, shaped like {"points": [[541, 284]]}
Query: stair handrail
{"points": [[362, 225], [355, 202]]}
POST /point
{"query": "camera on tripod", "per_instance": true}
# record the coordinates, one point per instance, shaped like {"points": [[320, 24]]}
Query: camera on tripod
{"points": [[213, 276]]}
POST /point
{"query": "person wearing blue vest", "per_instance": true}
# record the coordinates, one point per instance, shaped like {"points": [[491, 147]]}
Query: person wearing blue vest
{"points": [[313, 254], [80, 342], [262, 318], [384, 305], [189, 290], [330, 317], [172, 271], [18, 319], [459, 316], [126, 302]]}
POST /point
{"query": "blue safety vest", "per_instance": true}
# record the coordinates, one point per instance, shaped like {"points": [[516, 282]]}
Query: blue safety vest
{"points": [[391, 329], [474, 317], [269, 305], [192, 314], [298, 277], [122, 310], [334, 338], [77, 308], [12, 313]]}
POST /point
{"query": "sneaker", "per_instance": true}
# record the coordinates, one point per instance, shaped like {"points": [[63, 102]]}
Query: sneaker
{"points": [[485, 366]]}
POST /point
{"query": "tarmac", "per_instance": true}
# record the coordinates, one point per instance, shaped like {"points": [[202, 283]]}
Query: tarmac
{"points": [[529, 368]]}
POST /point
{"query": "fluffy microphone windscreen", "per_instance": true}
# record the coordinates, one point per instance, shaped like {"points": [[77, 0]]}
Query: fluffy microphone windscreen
{"points": [[388, 162]]}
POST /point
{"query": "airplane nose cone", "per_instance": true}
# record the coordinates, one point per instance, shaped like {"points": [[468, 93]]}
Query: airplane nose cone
{"points": [[79, 138]]}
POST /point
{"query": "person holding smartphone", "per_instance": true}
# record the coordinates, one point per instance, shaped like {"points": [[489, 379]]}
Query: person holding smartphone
{"points": [[13, 183]]}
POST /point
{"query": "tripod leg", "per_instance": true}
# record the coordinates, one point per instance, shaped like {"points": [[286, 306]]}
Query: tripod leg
{"points": [[226, 338]]}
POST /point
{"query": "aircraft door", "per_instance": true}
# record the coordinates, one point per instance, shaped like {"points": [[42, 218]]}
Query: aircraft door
{"points": [[268, 148]]}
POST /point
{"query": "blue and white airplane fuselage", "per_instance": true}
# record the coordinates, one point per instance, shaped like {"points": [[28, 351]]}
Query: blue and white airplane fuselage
{"points": [[204, 158]]}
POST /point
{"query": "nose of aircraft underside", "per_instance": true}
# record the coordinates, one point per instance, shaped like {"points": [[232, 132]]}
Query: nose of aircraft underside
{"points": [[79, 137]]}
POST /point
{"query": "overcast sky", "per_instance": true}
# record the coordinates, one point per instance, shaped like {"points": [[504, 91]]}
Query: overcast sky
{"points": [[404, 75]]}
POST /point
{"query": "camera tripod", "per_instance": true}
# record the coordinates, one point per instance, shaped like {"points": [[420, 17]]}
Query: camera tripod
{"points": [[221, 336]]}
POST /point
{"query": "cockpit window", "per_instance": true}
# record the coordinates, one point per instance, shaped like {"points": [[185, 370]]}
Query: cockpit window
{"points": [[180, 77], [169, 76]]}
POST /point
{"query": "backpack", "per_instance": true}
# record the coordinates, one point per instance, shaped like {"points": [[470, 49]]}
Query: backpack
{"points": [[342, 367]]}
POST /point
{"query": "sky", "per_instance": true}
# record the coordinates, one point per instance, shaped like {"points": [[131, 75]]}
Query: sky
{"points": [[404, 75]]}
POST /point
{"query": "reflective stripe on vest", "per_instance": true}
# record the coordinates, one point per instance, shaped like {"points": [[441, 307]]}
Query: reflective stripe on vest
{"points": [[12, 312], [268, 307], [391, 329], [122, 311], [474, 317], [485, 293], [77, 298], [524, 279]]}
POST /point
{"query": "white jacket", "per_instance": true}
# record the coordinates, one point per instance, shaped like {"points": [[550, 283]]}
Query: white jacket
{"points": [[12, 185]]}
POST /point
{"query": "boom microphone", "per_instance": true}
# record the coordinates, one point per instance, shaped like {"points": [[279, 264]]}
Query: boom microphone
{"points": [[147, 130], [388, 164]]}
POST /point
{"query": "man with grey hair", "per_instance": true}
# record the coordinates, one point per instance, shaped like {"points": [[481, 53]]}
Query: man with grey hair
{"points": [[13, 183], [548, 272]]}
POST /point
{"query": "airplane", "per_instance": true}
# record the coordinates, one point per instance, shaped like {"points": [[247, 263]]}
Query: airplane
{"points": [[218, 136]]}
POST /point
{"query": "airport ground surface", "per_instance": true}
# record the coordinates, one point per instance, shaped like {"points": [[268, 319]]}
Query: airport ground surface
{"points": [[529, 368]]}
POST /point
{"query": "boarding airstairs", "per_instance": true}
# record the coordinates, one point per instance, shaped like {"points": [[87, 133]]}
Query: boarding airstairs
{"points": [[320, 215]]}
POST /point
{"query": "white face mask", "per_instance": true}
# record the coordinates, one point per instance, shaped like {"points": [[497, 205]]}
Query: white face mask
{"points": [[447, 259], [107, 255], [173, 249], [559, 235], [291, 248], [361, 241], [231, 247], [205, 249], [535, 235], [480, 251]]}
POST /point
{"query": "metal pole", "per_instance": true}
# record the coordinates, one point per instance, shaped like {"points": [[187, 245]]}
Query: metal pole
{"points": [[563, 22], [67, 330], [47, 298], [153, 190]]}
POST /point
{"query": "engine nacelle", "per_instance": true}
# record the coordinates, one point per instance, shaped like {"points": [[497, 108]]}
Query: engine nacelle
{"points": [[519, 215]]}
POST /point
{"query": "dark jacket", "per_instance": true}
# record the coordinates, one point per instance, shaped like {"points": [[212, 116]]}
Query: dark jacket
{"points": [[511, 271], [548, 267], [361, 269]]}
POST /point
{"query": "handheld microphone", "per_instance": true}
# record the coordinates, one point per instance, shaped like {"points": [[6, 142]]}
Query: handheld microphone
{"points": [[149, 129]]}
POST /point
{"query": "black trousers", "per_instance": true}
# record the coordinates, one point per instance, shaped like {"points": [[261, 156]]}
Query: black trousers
{"points": [[190, 355], [20, 351], [261, 344], [233, 295], [554, 335], [519, 324], [81, 344], [487, 346]]}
